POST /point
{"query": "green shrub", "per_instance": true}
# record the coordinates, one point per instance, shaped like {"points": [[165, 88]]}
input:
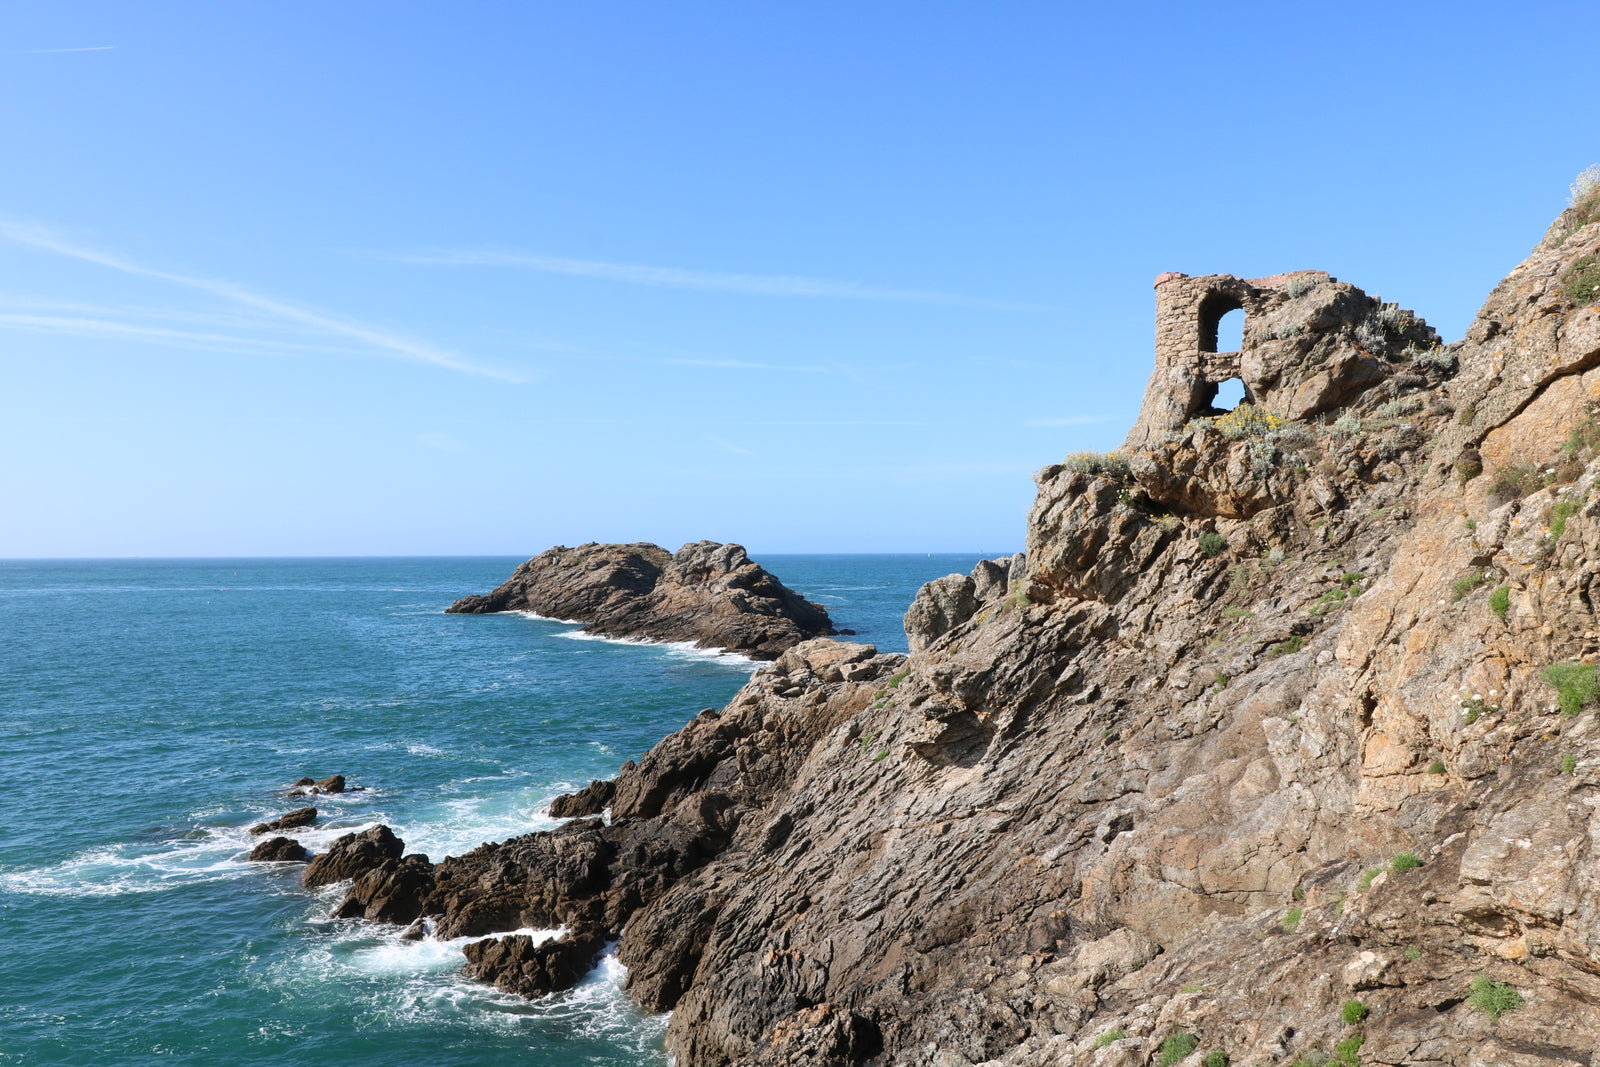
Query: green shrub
{"points": [[1436, 767], [1413, 953], [1500, 601], [1406, 861], [1291, 918], [1367, 876], [1492, 998], [1569, 763], [1353, 1012], [1575, 685], [1581, 281], [1176, 1047], [1466, 585], [1289, 646], [1513, 482], [1348, 1051], [1216, 1058], [1104, 464], [1212, 544]]}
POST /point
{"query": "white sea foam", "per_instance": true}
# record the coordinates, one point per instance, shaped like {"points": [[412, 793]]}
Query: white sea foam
{"points": [[677, 649]]}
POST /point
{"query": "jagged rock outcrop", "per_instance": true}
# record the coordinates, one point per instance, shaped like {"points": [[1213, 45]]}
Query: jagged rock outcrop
{"points": [[1258, 724], [353, 855], [708, 593]]}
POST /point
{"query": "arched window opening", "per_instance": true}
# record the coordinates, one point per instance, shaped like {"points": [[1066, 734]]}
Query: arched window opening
{"points": [[1219, 398], [1230, 394], [1230, 331], [1213, 309]]}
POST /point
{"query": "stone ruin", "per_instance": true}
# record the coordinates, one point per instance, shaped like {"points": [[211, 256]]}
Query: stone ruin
{"points": [[1311, 343]]}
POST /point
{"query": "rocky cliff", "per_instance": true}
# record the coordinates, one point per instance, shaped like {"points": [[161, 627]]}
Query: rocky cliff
{"points": [[708, 593], [1277, 744]]}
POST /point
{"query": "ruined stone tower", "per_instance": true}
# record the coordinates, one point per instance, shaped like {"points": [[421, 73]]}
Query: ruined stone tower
{"points": [[1310, 342]]}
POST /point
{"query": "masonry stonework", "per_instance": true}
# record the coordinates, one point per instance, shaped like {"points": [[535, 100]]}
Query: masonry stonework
{"points": [[1310, 343]]}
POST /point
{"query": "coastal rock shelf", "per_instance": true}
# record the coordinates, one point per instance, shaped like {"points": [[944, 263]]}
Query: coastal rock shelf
{"points": [[1277, 743], [706, 593]]}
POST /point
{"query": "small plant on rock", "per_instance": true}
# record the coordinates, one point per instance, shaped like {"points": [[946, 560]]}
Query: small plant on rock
{"points": [[1215, 1058], [1492, 998], [1569, 763], [1176, 1047], [1291, 918], [1366, 878], [1212, 544], [1581, 281], [1353, 1012], [1436, 767], [1248, 420], [1575, 685], [1475, 706], [1348, 1051], [1406, 861], [1105, 464], [1500, 601], [1466, 585], [1413, 953], [1116, 1033], [1346, 426], [1289, 646], [1559, 516]]}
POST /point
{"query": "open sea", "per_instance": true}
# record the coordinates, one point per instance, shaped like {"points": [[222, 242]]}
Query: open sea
{"points": [[151, 711]]}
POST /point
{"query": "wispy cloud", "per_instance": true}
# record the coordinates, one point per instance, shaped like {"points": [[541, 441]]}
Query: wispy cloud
{"points": [[728, 446], [54, 51], [107, 328], [783, 285], [739, 364], [371, 337], [1070, 420]]}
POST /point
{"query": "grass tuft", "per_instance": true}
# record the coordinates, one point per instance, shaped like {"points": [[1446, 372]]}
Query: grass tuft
{"points": [[1493, 998], [1575, 685], [1176, 1047], [1406, 861]]}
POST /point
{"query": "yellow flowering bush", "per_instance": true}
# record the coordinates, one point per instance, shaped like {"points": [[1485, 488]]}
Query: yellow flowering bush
{"points": [[1247, 420]]}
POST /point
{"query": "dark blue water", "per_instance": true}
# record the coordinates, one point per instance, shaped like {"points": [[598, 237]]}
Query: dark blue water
{"points": [[150, 712]]}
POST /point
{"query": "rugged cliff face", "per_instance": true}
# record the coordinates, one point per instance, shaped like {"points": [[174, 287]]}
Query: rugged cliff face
{"points": [[1261, 723], [708, 593]]}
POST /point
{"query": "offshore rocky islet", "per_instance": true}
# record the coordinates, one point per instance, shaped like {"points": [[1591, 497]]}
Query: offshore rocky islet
{"points": [[1255, 728]]}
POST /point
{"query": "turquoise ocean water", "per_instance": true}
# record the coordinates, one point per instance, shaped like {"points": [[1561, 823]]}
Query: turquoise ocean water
{"points": [[151, 711]]}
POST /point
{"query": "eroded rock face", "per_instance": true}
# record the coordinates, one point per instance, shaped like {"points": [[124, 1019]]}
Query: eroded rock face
{"points": [[708, 593], [1157, 779]]}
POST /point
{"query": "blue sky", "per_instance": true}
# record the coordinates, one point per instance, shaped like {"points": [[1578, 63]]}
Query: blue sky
{"points": [[370, 279]]}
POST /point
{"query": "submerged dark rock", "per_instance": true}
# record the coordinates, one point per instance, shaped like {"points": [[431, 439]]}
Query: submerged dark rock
{"points": [[279, 850], [707, 593], [306, 787], [296, 819]]}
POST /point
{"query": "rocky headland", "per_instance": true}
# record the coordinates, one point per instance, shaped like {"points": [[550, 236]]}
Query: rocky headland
{"points": [[1277, 745], [710, 594]]}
